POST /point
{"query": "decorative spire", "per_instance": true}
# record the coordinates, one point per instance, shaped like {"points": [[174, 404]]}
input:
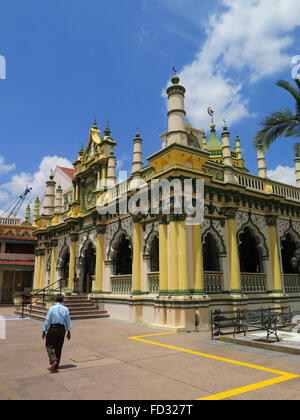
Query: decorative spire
{"points": [[36, 211], [297, 163], [28, 213], [51, 176], [225, 129], [175, 79], [95, 126], [238, 147], [81, 151], [107, 131]]}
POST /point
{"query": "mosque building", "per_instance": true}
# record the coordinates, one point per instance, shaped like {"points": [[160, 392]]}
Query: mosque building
{"points": [[155, 268]]}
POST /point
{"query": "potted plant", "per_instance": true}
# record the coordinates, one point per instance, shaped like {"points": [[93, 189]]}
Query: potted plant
{"points": [[17, 299], [50, 301], [68, 292]]}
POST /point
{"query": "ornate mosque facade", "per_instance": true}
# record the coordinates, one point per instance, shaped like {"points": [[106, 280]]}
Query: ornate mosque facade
{"points": [[156, 268]]}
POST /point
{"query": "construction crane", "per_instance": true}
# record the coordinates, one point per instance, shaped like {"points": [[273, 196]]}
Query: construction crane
{"points": [[14, 208]]}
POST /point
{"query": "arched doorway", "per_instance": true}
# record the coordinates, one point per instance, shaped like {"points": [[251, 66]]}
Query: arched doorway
{"points": [[87, 268], [154, 255], [211, 261], [250, 253], [65, 265], [123, 257], [288, 249]]}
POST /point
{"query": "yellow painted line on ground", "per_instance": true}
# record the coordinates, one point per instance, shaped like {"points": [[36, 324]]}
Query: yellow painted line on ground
{"points": [[283, 376], [249, 388]]}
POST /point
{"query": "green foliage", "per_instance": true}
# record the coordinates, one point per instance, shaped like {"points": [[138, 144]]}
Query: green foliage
{"points": [[52, 298], [284, 123]]}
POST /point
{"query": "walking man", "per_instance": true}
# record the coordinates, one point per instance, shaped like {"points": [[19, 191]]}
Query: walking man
{"points": [[57, 321]]}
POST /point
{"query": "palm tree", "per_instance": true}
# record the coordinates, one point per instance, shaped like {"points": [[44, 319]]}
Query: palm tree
{"points": [[281, 123]]}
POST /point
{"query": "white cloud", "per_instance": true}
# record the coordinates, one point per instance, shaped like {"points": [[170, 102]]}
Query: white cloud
{"points": [[284, 174], [5, 168], [37, 180], [248, 37]]}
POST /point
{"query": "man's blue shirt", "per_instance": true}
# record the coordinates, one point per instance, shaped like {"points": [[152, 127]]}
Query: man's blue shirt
{"points": [[58, 314]]}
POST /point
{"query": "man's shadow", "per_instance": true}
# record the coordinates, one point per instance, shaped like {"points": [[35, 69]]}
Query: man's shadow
{"points": [[64, 367]]}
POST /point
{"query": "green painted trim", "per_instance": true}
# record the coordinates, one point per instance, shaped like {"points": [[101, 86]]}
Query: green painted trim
{"points": [[21, 241], [136, 293], [22, 267], [199, 292], [236, 292], [180, 292]]}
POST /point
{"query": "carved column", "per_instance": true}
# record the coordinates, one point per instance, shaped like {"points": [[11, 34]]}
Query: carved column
{"points": [[275, 256], [137, 254], [173, 247], [234, 260], [73, 250], [53, 262], [101, 230], [163, 255], [198, 260], [183, 254]]}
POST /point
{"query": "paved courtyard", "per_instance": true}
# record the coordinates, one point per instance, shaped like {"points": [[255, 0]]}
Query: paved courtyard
{"points": [[110, 360]]}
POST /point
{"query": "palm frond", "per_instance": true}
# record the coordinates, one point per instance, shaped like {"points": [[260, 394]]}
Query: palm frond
{"points": [[292, 90], [275, 126]]}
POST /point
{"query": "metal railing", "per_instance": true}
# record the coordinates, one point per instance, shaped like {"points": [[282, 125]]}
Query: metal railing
{"points": [[9, 221], [121, 285], [291, 283], [28, 300], [253, 283], [213, 282]]}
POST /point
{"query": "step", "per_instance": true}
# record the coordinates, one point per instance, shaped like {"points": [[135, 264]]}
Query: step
{"points": [[41, 316]]}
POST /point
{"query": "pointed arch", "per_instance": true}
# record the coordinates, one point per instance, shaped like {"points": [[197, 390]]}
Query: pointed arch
{"points": [[114, 243], [293, 234], [149, 240], [221, 248], [259, 236], [252, 251], [289, 244]]}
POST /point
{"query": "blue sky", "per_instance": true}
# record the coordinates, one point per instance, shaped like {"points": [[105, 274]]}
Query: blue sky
{"points": [[68, 61]]}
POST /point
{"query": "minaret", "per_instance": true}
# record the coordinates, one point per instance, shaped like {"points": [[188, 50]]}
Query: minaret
{"points": [[297, 163], [261, 161], [49, 207], [36, 210], [226, 151], [111, 170], [238, 147], [176, 115], [59, 200], [28, 214], [137, 163]]}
